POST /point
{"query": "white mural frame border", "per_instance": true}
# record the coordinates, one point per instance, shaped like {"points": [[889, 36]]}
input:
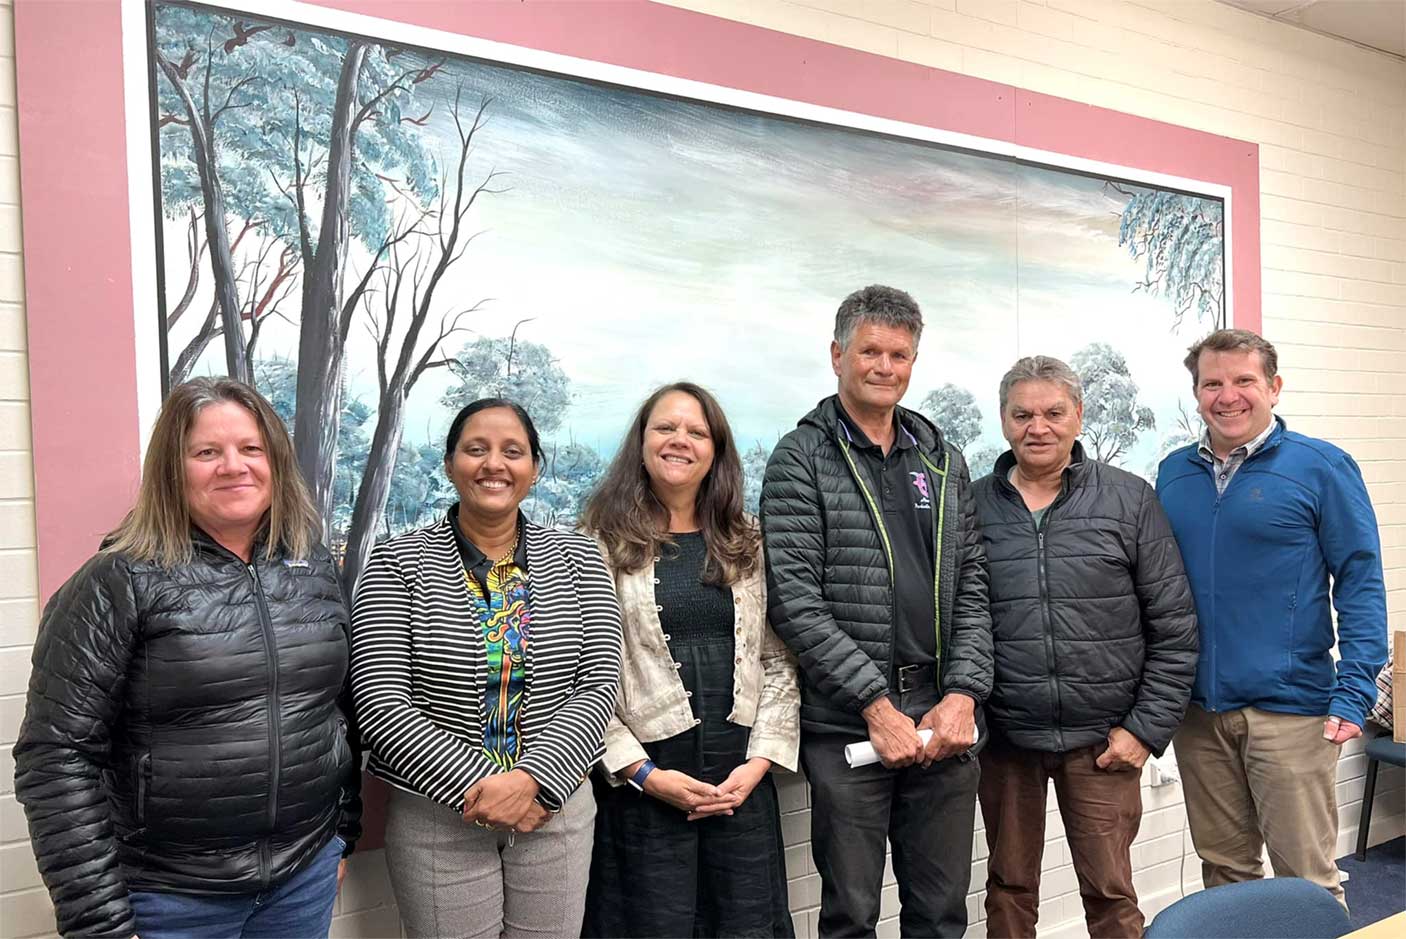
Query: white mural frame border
{"points": [[142, 183]]}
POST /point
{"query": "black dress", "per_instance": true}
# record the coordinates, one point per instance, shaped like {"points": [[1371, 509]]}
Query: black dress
{"points": [[653, 872]]}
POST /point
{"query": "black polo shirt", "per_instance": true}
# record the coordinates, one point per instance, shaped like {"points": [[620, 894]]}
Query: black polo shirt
{"points": [[473, 559], [905, 493]]}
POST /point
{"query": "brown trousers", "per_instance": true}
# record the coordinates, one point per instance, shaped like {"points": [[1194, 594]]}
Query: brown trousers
{"points": [[1256, 779], [1101, 812]]}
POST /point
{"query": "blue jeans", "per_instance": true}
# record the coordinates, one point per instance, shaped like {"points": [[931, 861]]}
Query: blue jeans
{"points": [[298, 908]]}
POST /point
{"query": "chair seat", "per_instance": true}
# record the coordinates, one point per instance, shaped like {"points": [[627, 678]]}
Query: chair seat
{"points": [[1386, 750], [1278, 908]]}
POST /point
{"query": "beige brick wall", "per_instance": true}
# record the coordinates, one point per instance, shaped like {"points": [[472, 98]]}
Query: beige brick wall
{"points": [[1330, 119], [22, 906]]}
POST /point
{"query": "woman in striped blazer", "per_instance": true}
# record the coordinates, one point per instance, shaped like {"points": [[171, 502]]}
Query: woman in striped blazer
{"points": [[485, 658]]}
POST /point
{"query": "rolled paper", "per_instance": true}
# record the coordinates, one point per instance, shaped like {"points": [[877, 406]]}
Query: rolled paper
{"points": [[862, 753]]}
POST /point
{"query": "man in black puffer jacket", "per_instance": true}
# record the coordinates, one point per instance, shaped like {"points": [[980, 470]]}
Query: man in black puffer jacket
{"points": [[1096, 649], [877, 583]]}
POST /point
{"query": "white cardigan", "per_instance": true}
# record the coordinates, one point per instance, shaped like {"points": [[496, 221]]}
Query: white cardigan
{"points": [[653, 704]]}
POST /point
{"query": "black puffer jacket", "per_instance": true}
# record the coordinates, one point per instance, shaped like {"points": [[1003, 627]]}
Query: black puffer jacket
{"points": [[184, 732], [829, 587], [1094, 620]]}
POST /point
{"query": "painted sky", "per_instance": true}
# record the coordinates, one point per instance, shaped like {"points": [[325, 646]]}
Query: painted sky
{"points": [[651, 239]]}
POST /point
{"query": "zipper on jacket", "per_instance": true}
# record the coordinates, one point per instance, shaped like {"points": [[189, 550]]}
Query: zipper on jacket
{"points": [[275, 732], [939, 526], [1270, 442], [1212, 697], [888, 548], [1042, 580]]}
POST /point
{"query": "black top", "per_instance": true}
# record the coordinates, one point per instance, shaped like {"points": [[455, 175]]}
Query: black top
{"points": [[474, 561], [1094, 621], [690, 610], [903, 489], [184, 732]]}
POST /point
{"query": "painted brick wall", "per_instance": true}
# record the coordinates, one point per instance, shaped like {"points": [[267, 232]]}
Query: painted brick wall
{"points": [[22, 907], [1331, 123]]}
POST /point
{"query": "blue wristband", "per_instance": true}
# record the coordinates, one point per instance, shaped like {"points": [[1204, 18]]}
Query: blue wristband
{"points": [[641, 774]]}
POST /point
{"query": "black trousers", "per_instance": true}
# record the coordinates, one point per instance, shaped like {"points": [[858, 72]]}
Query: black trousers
{"points": [[927, 815]]}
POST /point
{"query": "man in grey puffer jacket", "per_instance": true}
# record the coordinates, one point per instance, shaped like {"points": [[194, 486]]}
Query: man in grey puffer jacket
{"points": [[877, 583], [1095, 645]]}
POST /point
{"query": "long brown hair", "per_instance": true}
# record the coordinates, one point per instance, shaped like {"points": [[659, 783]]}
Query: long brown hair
{"points": [[158, 526], [632, 523]]}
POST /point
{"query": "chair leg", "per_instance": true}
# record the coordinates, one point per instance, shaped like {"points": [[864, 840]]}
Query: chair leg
{"points": [[1363, 823]]}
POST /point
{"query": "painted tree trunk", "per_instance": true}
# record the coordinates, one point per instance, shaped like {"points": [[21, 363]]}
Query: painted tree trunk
{"points": [[216, 232], [188, 356], [370, 507], [317, 413]]}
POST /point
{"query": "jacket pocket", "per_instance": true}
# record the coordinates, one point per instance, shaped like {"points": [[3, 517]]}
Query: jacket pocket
{"points": [[342, 750], [1292, 646], [141, 786]]}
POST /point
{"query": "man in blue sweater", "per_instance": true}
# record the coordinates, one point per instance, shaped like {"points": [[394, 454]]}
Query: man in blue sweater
{"points": [[1270, 524]]}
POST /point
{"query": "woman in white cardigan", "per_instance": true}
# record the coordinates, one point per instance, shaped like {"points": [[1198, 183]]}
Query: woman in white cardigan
{"points": [[688, 837], [485, 660]]}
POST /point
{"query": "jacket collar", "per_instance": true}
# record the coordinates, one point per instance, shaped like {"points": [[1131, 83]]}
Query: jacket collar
{"points": [[469, 552], [1276, 436], [828, 416], [1073, 474], [443, 533], [203, 541]]}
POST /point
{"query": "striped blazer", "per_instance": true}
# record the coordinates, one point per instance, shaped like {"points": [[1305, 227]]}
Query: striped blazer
{"points": [[419, 663]]}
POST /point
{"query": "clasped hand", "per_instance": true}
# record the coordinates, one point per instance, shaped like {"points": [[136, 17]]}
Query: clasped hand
{"points": [[895, 737], [703, 800], [506, 800]]}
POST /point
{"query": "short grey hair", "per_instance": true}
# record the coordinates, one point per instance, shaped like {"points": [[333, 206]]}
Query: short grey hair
{"points": [[1042, 368], [1232, 340], [886, 306]]}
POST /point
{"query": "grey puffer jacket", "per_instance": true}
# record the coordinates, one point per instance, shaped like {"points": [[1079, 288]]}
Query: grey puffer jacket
{"points": [[1094, 620], [829, 578], [186, 730]]}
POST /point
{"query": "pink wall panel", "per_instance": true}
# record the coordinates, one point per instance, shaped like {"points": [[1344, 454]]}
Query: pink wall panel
{"points": [[78, 276], [74, 188]]}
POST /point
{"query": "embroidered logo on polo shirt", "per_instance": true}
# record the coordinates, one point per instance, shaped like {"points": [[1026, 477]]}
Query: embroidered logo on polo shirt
{"points": [[920, 483]]}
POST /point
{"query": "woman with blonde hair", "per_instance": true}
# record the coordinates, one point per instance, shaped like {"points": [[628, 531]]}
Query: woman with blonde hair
{"points": [[185, 760], [688, 838]]}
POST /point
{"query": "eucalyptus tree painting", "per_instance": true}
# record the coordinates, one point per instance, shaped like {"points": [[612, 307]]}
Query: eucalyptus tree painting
{"points": [[375, 234]]}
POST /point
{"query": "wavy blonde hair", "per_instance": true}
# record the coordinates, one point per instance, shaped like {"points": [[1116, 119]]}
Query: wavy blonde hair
{"points": [[158, 527]]}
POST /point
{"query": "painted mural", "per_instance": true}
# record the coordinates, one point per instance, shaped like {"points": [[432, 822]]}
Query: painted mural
{"points": [[375, 235]]}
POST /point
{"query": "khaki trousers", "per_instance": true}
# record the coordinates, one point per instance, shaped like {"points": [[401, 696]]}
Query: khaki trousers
{"points": [[1256, 779], [1101, 811]]}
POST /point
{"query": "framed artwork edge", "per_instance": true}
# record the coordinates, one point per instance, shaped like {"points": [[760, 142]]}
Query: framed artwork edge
{"points": [[85, 153]]}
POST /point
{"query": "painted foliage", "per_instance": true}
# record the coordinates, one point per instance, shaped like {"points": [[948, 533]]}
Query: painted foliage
{"points": [[375, 235]]}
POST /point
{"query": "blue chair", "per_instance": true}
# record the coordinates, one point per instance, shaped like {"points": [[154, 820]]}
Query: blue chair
{"points": [[1379, 750], [1277, 908]]}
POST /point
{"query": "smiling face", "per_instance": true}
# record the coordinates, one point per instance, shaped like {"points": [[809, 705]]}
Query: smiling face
{"points": [[677, 449], [1041, 422], [1233, 396], [228, 484], [874, 368], [491, 466]]}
